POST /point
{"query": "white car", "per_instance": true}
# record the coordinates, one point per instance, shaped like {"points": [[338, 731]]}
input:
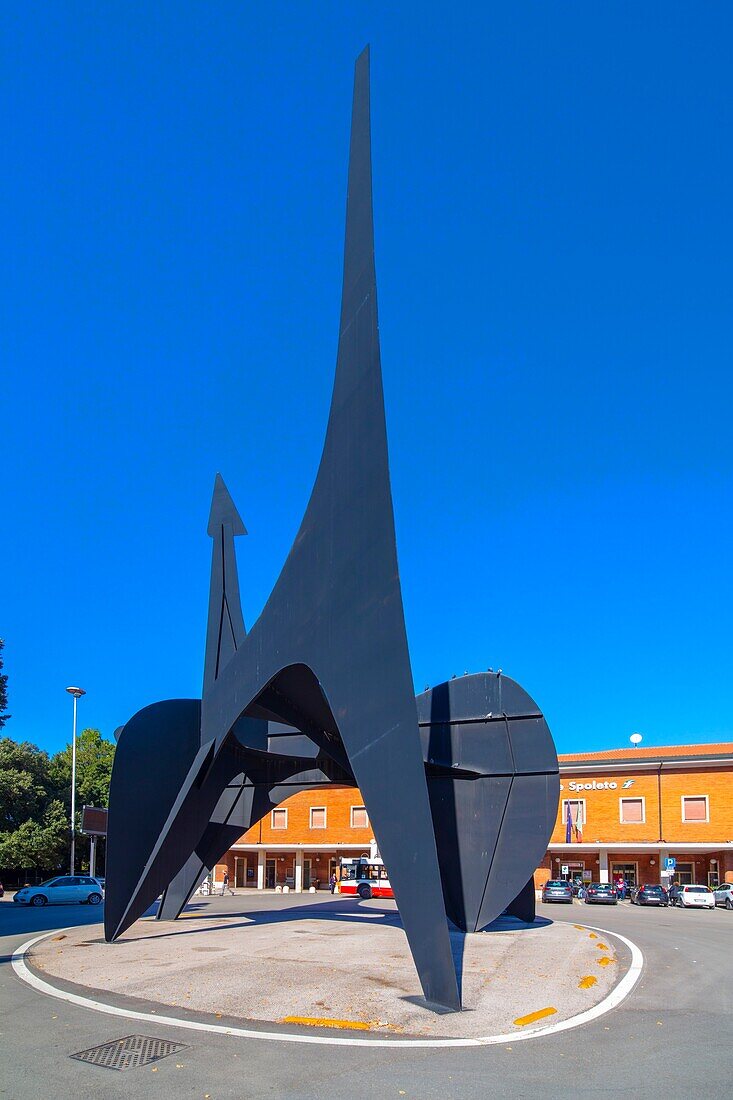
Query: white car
{"points": [[696, 897], [62, 890], [724, 895]]}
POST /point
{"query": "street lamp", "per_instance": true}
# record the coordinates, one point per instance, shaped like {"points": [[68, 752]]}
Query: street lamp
{"points": [[77, 692]]}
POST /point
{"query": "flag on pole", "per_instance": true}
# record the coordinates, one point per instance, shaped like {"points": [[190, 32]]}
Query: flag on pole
{"points": [[568, 824], [579, 822]]}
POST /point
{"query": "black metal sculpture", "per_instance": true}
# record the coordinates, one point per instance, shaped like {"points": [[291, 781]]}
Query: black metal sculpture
{"points": [[320, 691]]}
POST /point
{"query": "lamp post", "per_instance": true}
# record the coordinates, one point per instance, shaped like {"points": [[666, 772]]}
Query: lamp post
{"points": [[77, 692]]}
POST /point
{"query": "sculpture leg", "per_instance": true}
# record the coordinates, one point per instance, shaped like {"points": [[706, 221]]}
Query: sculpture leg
{"points": [[231, 818], [391, 778], [164, 848], [523, 906], [527, 793], [217, 840]]}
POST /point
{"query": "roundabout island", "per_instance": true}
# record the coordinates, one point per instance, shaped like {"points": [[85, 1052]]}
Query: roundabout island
{"points": [[338, 970]]}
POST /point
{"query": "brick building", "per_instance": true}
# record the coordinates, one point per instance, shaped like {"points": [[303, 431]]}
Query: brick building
{"points": [[630, 809]]}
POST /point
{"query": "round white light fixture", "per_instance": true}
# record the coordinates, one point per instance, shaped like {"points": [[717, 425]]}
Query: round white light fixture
{"points": [[635, 739]]}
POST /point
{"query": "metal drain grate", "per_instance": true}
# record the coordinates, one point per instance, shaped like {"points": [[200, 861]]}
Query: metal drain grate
{"points": [[128, 1053]]}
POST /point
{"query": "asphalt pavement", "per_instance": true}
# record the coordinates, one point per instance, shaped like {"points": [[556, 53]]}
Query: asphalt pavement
{"points": [[672, 1037]]}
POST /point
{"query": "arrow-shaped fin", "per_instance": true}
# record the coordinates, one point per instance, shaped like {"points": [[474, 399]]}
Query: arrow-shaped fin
{"points": [[225, 629], [224, 511]]}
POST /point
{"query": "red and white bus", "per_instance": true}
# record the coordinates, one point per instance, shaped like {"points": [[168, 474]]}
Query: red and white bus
{"points": [[365, 877]]}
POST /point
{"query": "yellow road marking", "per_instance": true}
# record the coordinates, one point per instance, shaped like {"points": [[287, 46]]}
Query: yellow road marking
{"points": [[602, 946], [317, 1021], [522, 1021], [579, 926], [605, 961], [587, 982], [593, 936]]}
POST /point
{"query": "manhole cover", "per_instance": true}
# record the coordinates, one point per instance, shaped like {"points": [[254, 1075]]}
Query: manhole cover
{"points": [[128, 1053]]}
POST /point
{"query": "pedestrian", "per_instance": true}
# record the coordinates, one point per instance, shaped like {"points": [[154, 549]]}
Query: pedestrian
{"points": [[332, 882], [225, 884], [622, 890]]}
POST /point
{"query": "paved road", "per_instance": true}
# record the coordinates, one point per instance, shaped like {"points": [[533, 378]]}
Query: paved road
{"points": [[672, 1037]]}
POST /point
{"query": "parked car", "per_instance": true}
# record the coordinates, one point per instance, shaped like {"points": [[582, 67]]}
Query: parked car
{"points": [[557, 890], [723, 895], [601, 893], [651, 894], [63, 890], [695, 897]]}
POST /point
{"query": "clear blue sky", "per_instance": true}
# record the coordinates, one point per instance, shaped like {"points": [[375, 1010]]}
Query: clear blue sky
{"points": [[555, 259]]}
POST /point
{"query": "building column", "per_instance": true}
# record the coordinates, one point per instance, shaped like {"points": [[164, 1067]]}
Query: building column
{"points": [[663, 878], [299, 870], [726, 866], [603, 865], [260, 869]]}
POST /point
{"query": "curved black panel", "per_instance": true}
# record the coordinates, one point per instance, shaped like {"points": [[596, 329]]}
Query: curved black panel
{"points": [[154, 753], [494, 783]]}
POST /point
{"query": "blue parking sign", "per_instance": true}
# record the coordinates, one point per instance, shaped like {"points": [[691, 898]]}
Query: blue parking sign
{"points": [[670, 863]]}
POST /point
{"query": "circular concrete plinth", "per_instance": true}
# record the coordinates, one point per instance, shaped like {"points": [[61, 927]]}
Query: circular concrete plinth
{"points": [[348, 970]]}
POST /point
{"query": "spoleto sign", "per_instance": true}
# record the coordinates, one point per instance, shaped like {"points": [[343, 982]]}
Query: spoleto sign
{"points": [[594, 785]]}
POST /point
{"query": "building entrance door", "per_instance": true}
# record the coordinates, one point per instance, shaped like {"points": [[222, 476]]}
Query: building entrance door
{"points": [[240, 871], [306, 874], [684, 873], [626, 871], [575, 868], [270, 874]]}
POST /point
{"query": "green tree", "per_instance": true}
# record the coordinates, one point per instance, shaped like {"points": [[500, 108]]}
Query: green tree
{"points": [[3, 689], [34, 830], [38, 845], [94, 758], [35, 798], [24, 783]]}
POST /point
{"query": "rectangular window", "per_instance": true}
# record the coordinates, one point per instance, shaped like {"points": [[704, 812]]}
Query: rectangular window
{"points": [[695, 808], [577, 811], [359, 819], [632, 811], [318, 817], [279, 819]]}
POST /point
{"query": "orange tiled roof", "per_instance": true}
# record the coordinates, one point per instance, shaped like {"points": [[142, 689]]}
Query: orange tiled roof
{"points": [[647, 752]]}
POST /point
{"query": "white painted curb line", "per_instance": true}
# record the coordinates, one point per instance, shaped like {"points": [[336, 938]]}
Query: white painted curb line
{"points": [[614, 998]]}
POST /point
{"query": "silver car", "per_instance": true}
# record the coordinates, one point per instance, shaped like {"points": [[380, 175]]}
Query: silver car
{"points": [[62, 890], [723, 895]]}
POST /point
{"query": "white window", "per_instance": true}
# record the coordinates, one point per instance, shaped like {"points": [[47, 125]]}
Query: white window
{"points": [[359, 819], [279, 819], [318, 817], [577, 812], [695, 807], [632, 811]]}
